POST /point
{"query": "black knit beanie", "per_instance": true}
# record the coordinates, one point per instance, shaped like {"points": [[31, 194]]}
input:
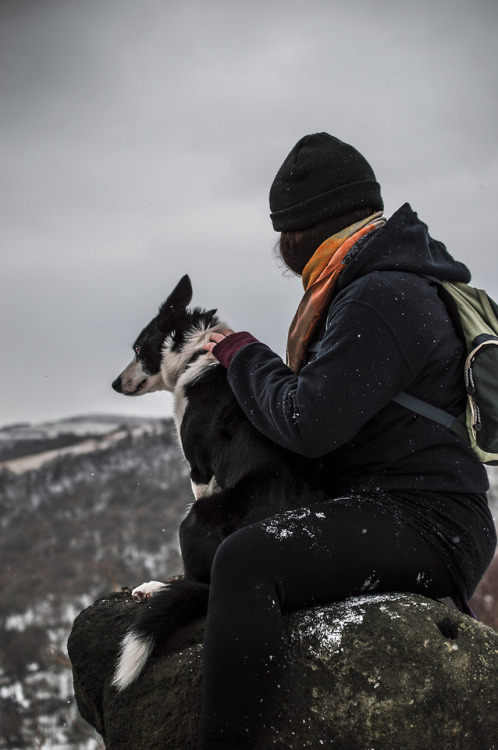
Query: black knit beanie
{"points": [[322, 177]]}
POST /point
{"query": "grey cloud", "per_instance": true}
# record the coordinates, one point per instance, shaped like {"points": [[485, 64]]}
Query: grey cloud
{"points": [[140, 137]]}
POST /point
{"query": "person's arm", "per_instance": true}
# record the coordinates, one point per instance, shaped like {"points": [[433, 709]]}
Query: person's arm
{"points": [[360, 367]]}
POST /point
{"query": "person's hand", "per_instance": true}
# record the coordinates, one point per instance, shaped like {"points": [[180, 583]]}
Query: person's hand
{"points": [[215, 338]]}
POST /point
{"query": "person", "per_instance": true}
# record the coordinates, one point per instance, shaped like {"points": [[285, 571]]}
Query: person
{"points": [[408, 509]]}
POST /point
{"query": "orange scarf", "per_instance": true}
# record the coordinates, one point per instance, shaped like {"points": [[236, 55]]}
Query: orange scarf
{"points": [[320, 277]]}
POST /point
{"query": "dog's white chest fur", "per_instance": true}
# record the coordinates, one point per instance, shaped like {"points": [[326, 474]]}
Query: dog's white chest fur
{"points": [[177, 372], [177, 369]]}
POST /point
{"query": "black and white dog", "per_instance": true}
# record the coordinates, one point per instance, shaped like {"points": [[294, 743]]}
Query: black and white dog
{"points": [[238, 476]]}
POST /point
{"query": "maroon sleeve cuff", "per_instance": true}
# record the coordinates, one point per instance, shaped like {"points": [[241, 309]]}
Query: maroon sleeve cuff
{"points": [[226, 350]]}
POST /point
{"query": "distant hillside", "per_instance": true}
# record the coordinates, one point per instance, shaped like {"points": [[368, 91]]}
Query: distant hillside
{"points": [[53, 439], [86, 506]]}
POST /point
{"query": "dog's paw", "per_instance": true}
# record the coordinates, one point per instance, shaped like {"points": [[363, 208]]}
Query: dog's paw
{"points": [[146, 590]]}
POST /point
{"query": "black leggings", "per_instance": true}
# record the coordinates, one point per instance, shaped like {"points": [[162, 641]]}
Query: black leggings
{"points": [[337, 549]]}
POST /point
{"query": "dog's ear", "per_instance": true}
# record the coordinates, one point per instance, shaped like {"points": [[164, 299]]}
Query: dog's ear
{"points": [[176, 302], [181, 294]]}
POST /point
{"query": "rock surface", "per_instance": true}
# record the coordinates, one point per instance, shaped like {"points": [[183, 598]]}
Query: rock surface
{"points": [[373, 673]]}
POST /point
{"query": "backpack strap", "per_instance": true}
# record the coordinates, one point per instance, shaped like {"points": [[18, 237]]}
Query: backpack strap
{"points": [[416, 404], [425, 409]]}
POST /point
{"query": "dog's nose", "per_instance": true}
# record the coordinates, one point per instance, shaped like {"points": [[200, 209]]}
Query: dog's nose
{"points": [[117, 385]]}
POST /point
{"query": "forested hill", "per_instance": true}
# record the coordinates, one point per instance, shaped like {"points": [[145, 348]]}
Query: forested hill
{"points": [[87, 505]]}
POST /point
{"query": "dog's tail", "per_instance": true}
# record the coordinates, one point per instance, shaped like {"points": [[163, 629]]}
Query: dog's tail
{"points": [[177, 604]]}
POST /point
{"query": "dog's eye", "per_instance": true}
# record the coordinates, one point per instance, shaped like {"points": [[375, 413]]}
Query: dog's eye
{"points": [[137, 349]]}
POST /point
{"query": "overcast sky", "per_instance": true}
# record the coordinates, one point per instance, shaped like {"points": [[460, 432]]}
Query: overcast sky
{"points": [[139, 139]]}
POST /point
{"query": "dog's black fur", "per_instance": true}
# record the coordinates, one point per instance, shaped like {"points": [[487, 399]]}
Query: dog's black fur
{"points": [[255, 478]]}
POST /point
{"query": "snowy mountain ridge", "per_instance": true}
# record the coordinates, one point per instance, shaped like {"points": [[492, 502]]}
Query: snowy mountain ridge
{"points": [[87, 435]]}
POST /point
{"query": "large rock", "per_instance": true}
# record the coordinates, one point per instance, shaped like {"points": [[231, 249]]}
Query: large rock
{"points": [[373, 673]]}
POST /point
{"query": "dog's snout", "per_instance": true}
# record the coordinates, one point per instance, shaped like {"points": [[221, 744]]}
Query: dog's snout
{"points": [[117, 385]]}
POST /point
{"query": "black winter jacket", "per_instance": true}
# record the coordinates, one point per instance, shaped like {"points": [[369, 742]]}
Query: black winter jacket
{"points": [[386, 331]]}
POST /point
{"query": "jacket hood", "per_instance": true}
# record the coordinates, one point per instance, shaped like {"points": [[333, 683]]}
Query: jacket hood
{"points": [[402, 244]]}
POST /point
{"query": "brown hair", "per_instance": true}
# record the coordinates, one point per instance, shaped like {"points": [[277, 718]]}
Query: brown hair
{"points": [[296, 248]]}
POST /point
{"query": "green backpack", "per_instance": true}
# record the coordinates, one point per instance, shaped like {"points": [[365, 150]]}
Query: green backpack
{"points": [[475, 316]]}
